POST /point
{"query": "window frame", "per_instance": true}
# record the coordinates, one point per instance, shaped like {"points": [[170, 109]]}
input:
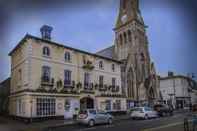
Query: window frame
{"points": [[113, 81], [67, 56], [86, 79], [113, 67], [45, 107], [101, 81], [67, 77], [46, 51], [101, 65], [46, 73]]}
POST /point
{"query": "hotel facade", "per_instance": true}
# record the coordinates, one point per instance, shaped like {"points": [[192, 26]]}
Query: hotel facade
{"points": [[49, 79]]}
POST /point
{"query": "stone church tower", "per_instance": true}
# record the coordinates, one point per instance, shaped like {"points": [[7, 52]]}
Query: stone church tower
{"points": [[139, 78], [131, 47]]}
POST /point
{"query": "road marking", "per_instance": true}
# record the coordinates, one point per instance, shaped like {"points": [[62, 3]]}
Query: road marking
{"points": [[164, 126]]}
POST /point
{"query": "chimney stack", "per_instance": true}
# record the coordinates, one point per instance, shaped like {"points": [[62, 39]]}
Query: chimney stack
{"points": [[46, 32]]}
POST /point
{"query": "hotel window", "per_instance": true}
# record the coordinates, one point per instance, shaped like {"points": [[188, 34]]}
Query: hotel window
{"points": [[67, 56], [67, 77], [46, 72], [101, 83], [86, 79], [113, 82], [45, 107], [113, 67], [46, 51], [108, 105], [101, 65]]}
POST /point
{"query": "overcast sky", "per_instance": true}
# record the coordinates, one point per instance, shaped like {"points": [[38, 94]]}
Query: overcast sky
{"points": [[88, 24]]}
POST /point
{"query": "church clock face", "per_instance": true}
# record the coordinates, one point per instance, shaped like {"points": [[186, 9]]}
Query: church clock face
{"points": [[124, 18]]}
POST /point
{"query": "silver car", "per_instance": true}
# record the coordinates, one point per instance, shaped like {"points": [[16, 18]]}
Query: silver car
{"points": [[91, 117], [144, 112]]}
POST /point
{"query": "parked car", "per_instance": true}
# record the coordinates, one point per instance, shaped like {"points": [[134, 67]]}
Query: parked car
{"points": [[91, 117], [144, 113], [163, 110]]}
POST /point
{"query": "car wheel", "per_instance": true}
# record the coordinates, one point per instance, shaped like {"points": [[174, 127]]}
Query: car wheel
{"points": [[110, 121], [146, 117], [91, 123]]}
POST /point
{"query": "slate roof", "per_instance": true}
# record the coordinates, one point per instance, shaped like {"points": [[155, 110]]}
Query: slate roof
{"points": [[107, 52], [28, 36]]}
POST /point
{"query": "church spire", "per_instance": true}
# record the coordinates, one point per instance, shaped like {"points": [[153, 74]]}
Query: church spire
{"points": [[129, 11]]}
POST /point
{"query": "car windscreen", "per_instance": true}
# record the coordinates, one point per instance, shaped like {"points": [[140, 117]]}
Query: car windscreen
{"points": [[92, 112], [138, 109]]}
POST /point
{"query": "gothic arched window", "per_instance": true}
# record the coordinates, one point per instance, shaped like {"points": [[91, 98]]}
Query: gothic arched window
{"points": [[142, 57], [129, 36], [125, 37], [46, 51], [124, 4], [121, 39], [130, 82]]}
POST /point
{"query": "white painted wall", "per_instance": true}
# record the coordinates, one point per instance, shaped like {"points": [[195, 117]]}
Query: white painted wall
{"points": [[178, 86]]}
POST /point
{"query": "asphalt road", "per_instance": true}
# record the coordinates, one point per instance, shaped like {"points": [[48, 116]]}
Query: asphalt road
{"points": [[173, 123]]}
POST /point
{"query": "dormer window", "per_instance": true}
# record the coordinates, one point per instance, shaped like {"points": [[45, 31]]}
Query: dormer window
{"points": [[46, 51], [101, 65], [67, 56]]}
